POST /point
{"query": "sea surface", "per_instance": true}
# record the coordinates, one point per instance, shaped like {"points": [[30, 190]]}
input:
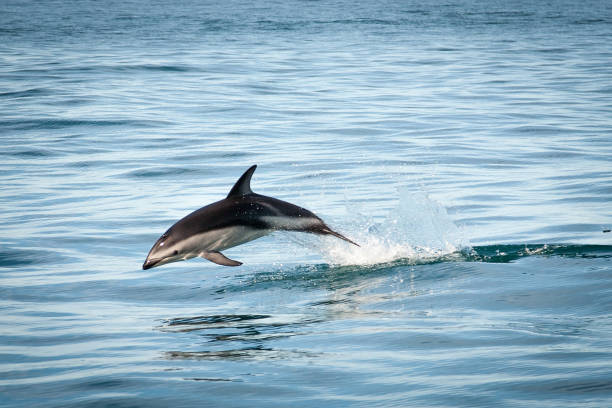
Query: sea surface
{"points": [[466, 145]]}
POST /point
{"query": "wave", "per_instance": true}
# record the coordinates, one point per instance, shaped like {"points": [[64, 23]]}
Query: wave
{"points": [[28, 93], [11, 257], [59, 123], [509, 253]]}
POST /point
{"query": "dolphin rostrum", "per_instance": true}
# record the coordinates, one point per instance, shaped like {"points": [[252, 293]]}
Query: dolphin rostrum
{"points": [[240, 217]]}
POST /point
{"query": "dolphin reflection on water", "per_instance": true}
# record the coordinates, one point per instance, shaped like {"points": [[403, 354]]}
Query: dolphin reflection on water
{"points": [[240, 217]]}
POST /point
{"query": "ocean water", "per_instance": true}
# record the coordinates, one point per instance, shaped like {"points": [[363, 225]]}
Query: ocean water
{"points": [[466, 145]]}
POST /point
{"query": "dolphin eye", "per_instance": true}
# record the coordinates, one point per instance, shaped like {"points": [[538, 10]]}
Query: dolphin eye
{"points": [[175, 252]]}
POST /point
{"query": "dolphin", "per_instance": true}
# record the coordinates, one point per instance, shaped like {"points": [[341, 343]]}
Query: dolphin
{"points": [[240, 217]]}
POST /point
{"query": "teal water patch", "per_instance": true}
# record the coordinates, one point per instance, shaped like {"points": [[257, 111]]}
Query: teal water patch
{"points": [[509, 253]]}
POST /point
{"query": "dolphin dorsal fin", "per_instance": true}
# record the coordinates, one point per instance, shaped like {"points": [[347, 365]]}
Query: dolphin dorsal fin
{"points": [[243, 185]]}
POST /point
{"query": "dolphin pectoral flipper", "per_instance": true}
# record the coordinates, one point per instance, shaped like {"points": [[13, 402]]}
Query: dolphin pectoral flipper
{"points": [[219, 258]]}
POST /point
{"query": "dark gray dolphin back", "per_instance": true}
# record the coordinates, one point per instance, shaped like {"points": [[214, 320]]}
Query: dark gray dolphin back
{"points": [[243, 185]]}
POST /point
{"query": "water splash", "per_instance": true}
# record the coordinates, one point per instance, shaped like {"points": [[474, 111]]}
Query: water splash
{"points": [[418, 229]]}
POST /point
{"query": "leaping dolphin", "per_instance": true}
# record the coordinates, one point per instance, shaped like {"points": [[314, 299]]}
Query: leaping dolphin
{"points": [[241, 217]]}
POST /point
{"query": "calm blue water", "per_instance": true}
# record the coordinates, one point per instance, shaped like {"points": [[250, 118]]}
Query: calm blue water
{"points": [[467, 145]]}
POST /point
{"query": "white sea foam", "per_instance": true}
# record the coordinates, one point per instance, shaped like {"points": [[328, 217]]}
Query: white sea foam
{"points": [[417, 229]]}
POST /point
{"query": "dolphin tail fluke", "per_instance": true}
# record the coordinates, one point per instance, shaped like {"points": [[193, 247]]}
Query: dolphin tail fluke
{"points": [[329, 231]]}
